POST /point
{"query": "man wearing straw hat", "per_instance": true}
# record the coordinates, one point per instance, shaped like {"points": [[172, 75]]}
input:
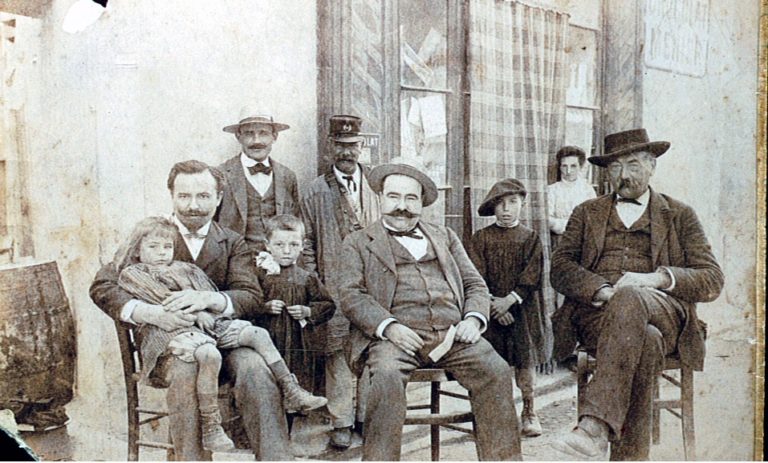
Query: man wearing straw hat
{"points": [[258, 187], [408, 286], [632, 265]]}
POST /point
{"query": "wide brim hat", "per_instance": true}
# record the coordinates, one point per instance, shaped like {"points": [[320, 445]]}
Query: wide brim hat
{"points": [[248, 116], [379, 173], [502, 188], [627, 142]]}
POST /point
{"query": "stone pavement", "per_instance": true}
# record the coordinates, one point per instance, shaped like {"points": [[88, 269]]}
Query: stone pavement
{"points": [[723, 409]]}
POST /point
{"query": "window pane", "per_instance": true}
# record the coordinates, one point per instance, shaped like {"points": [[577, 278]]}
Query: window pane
{"points": [[579, 131], [582, 64], [423, 42], [423, 138]]}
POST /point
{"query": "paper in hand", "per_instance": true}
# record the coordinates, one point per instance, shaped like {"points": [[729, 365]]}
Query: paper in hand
{"points": [[443, 348]]}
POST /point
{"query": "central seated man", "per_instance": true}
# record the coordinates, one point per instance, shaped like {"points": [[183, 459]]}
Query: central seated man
{"points": [[404, 284]]}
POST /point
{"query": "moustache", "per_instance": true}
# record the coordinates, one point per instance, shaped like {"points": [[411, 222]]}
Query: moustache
{"points": [[257, 146], [194, 214], [626, 183], [402, 213]]}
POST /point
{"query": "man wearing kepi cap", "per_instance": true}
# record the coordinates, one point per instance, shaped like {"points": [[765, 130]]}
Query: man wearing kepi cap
{"points": [[258, 187], [333, 206], [632, 265], [407, 285]]}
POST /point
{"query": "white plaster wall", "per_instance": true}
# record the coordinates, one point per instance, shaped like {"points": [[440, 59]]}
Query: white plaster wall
{"points": [[110, 110]]}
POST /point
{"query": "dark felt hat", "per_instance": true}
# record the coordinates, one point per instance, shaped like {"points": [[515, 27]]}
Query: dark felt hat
{"points": [[629, 141], [344, 128], [379, 173], [251, 116], [506, 187]]}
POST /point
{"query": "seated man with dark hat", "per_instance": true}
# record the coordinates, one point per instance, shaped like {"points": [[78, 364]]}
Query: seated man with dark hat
{"points": [[632, 265], [406, 285]]}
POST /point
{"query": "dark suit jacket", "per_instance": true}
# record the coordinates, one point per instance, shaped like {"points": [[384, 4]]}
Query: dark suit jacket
{"points": [[233, 210], [677, 242], [224, 258], [369, 279]]}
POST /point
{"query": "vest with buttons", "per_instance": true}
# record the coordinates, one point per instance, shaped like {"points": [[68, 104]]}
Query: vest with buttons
{"points": [[259, 210], [626, 249], [423, 299]]}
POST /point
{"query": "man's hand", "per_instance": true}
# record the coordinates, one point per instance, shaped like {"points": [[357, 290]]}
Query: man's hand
{"points": [[603, 295], [501, 305], [274, 307], [299, 312], [205, 320], [468, 330], [404, 338], [506, 319], [191, 301], [656, 280], [157, 315]]}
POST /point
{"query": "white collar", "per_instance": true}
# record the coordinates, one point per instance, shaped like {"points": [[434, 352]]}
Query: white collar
{"points": [[642, 199], [203, 231], [515, 224], [340, 175], [248, 162]]}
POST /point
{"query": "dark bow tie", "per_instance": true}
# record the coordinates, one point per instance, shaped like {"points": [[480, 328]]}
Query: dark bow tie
{"points": [[408, 234], [629, 201], [260, 168]]}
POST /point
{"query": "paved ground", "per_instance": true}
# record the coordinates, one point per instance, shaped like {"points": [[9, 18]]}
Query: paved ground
{"points": [[724, 421]]}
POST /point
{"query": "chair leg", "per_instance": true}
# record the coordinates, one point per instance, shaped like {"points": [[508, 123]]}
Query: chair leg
{"points": [[434, 430], [133, 421], [656, 418], [689, 435], [582, 377]]}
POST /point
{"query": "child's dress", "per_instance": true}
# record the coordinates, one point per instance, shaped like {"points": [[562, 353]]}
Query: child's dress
{"points": [[298, 345], [511, 259], [153, 284]]}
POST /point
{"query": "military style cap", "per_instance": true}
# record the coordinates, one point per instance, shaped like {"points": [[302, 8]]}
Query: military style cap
{"points": [[345, 128]]}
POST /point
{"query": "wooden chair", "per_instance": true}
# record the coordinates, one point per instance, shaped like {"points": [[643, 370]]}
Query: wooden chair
{"points": [[682, 407], [435, 419], [131, 369]]}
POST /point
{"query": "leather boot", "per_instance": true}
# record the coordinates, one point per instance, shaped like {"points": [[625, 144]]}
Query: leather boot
{"points": [[214, 437], [530, 422], [296, 399]]}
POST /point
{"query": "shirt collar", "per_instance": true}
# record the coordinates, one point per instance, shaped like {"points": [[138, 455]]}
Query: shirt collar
{"points": [[203, 231], [642, 199], [340, 176], [248, 162], [516, 223], [416, 229]]}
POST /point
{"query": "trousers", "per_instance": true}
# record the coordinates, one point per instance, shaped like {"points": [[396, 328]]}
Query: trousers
{"points": [[257, 397], [631, 334], [340, 387], [477, 367]]}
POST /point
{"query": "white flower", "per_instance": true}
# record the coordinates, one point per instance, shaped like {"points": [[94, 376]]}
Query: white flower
{"points": [[265, 261]]}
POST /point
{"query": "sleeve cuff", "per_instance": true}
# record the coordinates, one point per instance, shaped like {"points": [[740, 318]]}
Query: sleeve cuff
{"points": [[596, 303], [229, 310], [671, 277], [517, 297], [481, 317], [382, 326], [127, 311]]}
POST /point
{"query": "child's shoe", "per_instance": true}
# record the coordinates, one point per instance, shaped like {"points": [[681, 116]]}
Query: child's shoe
{"points": [[298, 399], [214, 437]]}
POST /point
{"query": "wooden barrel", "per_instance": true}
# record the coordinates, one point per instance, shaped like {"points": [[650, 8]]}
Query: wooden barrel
{"points": [[37, 337]]}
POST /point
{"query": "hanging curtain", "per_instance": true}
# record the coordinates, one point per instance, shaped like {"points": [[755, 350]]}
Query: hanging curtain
{"points": [[517, 71]]}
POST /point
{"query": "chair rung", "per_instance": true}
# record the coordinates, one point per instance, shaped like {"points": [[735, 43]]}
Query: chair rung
{"points": [[152, 411], [458, 428], [667, 404], [150, 420], [671, 379], [439, 419], [157, 445], [455, 395], [419, 407], [678, 415]]}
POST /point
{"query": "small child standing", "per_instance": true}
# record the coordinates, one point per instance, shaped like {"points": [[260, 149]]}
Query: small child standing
{"points": [[297, 303], [147, 271], [509, 256]]}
